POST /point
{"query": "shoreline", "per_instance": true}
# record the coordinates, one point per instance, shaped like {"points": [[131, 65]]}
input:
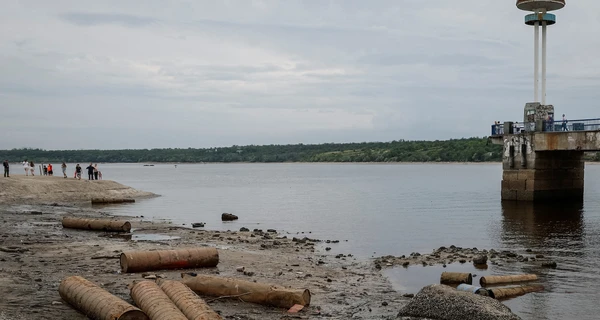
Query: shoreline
{"points": [[37, 253]]}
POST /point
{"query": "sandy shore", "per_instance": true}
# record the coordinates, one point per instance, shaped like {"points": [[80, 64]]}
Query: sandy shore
{"points": [[36, 253]]}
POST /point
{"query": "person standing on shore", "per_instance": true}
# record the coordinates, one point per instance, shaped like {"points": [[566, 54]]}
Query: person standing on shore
{"points": [[26, 167], [50, 171], [6, 167], [78, 171], [96, 171], [45, 169], [32, 168], [90, 170], [64, 169]]}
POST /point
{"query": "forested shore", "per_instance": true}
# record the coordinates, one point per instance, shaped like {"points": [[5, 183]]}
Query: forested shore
{"points": [[456, 150]]}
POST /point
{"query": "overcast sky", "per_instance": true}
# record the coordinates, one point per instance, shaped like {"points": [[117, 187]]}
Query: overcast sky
{"points": [[155, 73]]}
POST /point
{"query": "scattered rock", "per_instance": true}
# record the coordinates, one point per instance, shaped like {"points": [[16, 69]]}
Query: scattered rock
{"points": [[384, 304], [240, 269], [443, 302], [248, 273], [198, 225], [327, 249], [480, 259], [272, 230], [408, 295], [539, 256], [549, 264], [228, 217], [244, 229]]}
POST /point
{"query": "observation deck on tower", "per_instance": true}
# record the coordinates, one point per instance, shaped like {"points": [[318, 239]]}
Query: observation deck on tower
{"points": [[543, 155]]}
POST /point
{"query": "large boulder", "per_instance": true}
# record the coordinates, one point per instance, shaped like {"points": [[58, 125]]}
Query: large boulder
{"points": [[228, 217], [440, 302]]}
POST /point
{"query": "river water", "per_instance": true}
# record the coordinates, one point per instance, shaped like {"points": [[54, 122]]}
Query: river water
{"points": [[391, 209]]}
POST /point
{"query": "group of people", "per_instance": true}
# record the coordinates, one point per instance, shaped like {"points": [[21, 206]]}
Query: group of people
{"points": [[48, 170], [93, 172]]}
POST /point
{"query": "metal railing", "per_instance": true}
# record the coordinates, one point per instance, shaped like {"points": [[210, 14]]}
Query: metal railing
{"points": [[549, 126]]}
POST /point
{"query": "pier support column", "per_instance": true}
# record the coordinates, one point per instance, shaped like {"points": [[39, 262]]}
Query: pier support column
{"points": [[530, 175]]}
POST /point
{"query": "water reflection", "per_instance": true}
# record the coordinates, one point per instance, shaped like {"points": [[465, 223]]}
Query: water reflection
{"points": [[538, 225], [558, 232]]}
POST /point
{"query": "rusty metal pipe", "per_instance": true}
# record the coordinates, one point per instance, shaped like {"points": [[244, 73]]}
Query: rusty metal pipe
{"points": [[95, 302], [155, 303], [505, 293], [96, 224], [456, 278], [192, 306], [488, 280], [260, 293], [138, 261]]}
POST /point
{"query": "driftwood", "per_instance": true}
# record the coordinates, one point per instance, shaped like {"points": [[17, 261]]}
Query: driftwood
{"points": [[505, 293], [456, 278], [96, 224], [247, 291], [155, 303], [111, 200], [488, 280], [228, 217], [192, 306], [95, 302], [138, 261]]}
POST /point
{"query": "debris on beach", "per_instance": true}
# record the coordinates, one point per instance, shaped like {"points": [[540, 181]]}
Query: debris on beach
{"points": [[95, 302], [96, 224], [456, 278], [138, 261], [488, 280], [260, 293]]}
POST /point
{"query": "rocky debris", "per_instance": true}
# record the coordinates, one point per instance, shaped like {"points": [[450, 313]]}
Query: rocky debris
{"points": [[549, 264], [198, 225], [445, 303], [228, 217], [240, 269], [448, 255], [271, 230], [244, 229], [480, 259]]}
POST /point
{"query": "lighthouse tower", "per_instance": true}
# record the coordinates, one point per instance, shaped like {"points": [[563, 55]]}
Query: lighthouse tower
{"points": [[538, 110]]}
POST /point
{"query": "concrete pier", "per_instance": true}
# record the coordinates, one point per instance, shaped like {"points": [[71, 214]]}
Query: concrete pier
{"points": [[545, 166]]}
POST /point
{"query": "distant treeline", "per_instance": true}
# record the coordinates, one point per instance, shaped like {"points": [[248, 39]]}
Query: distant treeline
{"points": [[458, 150]]}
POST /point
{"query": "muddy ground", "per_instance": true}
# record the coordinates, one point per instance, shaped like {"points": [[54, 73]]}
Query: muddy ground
{"points": [[36, 253]]}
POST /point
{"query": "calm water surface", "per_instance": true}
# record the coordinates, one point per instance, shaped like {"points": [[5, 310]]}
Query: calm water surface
{"points": [[392, 209]]}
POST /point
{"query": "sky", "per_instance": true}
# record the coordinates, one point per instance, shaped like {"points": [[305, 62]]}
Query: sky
{"points": [[176, 74]]}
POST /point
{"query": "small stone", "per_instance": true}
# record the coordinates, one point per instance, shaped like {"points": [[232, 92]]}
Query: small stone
{"points": [[248, 273], [240, 269], [327, 249], [329, 280], [272, 230], [55, 303], [405, 264], [244, 229], [462, 260], [480, 259], [549, 264], [408, 295], [150, 277], [384, 304], [539, 256]]}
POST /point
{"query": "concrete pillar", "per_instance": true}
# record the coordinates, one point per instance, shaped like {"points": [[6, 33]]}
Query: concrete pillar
{"points": [[530, 175]]}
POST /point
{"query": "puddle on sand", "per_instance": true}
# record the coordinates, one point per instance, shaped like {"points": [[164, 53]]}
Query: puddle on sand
{"points": [[152, 237]]}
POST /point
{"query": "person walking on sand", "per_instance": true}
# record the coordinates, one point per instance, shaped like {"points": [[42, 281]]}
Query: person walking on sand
{"points": [[96, 171], [78, 172], [90, 170], [32, 168], [64, 169], [6, 167], [50, 171], [26, 167]]}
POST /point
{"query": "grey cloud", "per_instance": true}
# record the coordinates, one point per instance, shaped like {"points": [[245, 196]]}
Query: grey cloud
{"points": [[95, 19]]}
